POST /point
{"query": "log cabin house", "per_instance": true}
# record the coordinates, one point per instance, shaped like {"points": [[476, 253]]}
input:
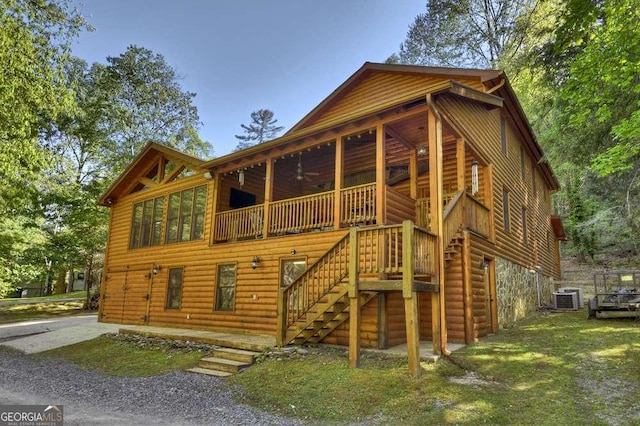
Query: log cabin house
{"points": [[413, 203]]}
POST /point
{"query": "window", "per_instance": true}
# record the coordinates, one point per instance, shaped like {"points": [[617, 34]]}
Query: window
{"points": [[146, 225], [525, 237], [503, 134], [185, 221], [174, 288], [505, 208], [290, 270], [226, 287]]}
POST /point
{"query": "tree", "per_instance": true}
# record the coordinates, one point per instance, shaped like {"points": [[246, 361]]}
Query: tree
{"points": [[148, 104], [468, 33], [35, 37], [262, 128]]}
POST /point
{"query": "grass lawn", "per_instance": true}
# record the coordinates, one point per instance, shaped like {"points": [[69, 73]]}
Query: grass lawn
{"points": [[553, 369], [130, 357], [45, 307]]}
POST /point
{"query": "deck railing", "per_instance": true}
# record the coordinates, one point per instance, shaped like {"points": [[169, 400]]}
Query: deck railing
{"points": [[380, 251], [359, 205], [477, 216], [301, 214], [241, 223]]}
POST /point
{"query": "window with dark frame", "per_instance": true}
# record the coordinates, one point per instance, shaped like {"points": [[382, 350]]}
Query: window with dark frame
{"points": [[174, 288], [525, 237], [503, 134], [505, 208], [146, 223], [185, 219], [226, 287]]}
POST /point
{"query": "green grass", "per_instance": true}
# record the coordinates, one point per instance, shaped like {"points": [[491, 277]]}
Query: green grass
{"points": [[72, 295], [555, 369], [44, 308], [116, 357]]}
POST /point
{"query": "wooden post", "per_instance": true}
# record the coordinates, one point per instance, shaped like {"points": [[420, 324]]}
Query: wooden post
{"points": [[280, 327], [467, 289], [268, 194], [381, 174], [354, 302], [213, 207], [337, 202], [461, 164], [413, 174], [434, 126], [411, 312], [489, 201]]}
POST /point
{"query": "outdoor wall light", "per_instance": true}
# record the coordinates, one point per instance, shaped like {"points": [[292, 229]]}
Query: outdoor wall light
{"points": [[293, 251], [156, 269], [421, 151], [255, 262]]}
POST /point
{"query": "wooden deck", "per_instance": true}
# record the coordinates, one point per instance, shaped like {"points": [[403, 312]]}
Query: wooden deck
{"points": [[247, 342]]}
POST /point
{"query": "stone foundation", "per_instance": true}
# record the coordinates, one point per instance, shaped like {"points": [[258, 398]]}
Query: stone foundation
{"points": [[516, 291]]}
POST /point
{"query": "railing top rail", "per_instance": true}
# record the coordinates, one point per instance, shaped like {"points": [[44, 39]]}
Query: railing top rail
{"points": [[314, 195], [452, 203], [254, 207], [362, 185]]}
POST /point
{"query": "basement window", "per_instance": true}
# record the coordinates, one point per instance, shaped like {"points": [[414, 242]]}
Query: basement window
{"points": [[226, 287], [290, 270], [174, 288]]}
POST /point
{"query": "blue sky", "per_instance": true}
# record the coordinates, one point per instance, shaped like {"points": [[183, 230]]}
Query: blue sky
{"points": [[242, 55]]}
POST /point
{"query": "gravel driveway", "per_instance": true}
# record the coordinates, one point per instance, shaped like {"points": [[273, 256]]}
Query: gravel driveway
{"points": [[90, 398]]}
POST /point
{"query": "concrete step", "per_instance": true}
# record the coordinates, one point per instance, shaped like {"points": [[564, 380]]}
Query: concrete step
{"points": [[209, 372], [247, 357], [221, 364]]}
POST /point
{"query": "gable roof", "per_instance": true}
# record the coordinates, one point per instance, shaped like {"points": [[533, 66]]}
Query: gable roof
{"points": [[149, 156], [370, 68]]}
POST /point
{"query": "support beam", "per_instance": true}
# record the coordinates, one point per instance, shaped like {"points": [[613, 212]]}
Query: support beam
{"points": [[412, 320], [338, 179], [381, 175], [467, 289], [434, 126], [461, 164], [268, 195], [214, 189], [354, 302]]}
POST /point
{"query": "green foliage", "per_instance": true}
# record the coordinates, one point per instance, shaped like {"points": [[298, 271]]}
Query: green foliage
{"points": [[468, 33], [146, 103], [35, 38], [262, 128]]}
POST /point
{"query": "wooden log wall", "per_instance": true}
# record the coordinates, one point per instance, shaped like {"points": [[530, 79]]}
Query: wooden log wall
{"points": [[368, 328], [377, 88], [256, 289], [518, 179]]}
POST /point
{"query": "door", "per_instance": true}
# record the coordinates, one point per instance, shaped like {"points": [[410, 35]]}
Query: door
{"points": [[489, 291], [126, 296]]}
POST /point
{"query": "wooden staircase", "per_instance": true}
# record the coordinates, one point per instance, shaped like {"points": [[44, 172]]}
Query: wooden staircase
{"points": [[324, 316], [224, 362]]}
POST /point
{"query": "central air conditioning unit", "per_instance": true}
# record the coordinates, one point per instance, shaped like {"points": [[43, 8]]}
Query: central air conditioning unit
{"points": [[574, 290], [565, 301]]}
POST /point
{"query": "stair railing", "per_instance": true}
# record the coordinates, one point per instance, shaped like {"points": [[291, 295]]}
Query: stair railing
{"points": [[316, 282]]}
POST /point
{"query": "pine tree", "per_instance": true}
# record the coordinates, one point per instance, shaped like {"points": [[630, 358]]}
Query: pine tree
{"points": [[262, 128]]}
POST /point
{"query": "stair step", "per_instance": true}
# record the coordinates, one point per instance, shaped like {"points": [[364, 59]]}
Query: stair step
{"points": [[209, 372], [247, 357], [221, 364]]}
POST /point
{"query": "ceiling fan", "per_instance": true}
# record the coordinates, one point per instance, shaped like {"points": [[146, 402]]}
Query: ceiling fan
{"points": [[300, 174]]}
